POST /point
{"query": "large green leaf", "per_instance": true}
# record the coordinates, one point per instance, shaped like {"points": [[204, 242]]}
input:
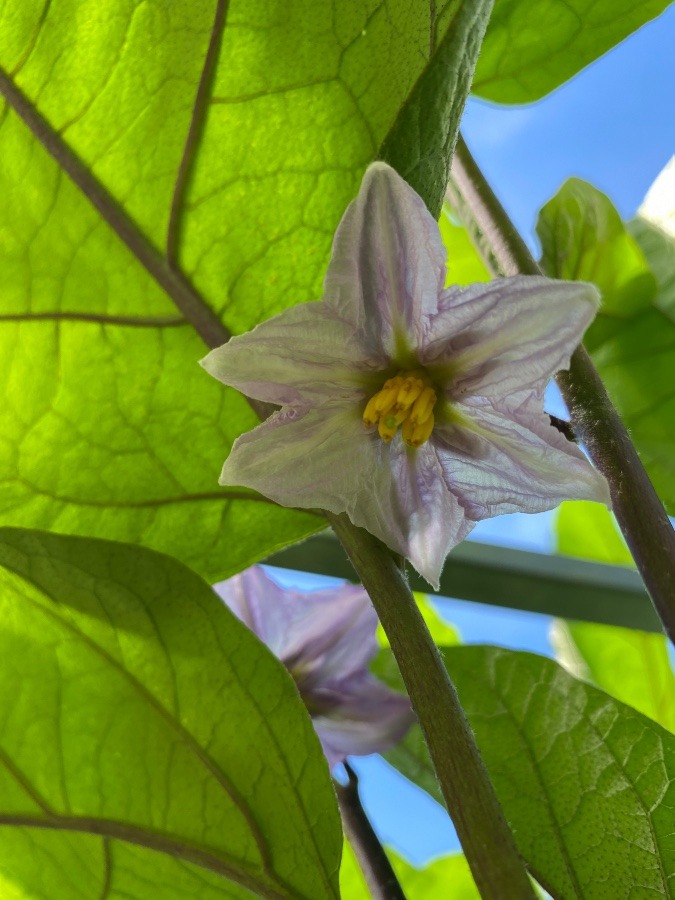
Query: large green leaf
{"points": [[213, 146], [632, 341], [631, 665], [587, 783], [139, 715], [532, 46]]}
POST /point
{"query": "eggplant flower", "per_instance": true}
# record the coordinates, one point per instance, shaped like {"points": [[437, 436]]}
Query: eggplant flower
{"points": [[416, 409], [326, 640]]}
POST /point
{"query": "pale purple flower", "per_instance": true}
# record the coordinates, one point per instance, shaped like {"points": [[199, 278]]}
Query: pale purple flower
{"points": [[472, 365], [325, 639]]}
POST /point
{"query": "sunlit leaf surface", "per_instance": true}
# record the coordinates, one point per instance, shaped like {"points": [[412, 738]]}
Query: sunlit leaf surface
{"points": [[532, 46], [233, 135], [139, 715], [633, 340], [586, 782], [448, 877], [631, 665]]}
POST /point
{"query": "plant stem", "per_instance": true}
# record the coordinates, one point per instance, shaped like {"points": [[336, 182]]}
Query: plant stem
{"points": [[638, 510], [487, 842], [374, 862]]}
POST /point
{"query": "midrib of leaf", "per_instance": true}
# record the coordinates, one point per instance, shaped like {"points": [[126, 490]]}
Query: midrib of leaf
{"points": [[108, 828], [152, 503], [97, 319], [195, 131]]}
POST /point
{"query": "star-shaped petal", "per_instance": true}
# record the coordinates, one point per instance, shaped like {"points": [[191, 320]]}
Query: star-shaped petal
{"points": [[415, 409]]}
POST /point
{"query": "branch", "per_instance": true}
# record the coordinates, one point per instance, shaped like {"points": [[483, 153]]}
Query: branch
{"points": [[639, 511], [485, 837], [374, 862]]}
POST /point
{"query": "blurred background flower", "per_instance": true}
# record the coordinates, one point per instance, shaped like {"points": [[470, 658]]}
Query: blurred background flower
{"points": [[326, 639]]}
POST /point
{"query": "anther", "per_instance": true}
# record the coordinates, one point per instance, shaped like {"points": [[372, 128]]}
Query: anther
{"points": [[385, 431], [415, 434], [423, 406], [405, 400]]}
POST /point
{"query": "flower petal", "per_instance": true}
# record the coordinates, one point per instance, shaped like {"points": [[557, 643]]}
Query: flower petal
{"points": [[371, 719], [319, 635], [310, 458], [517, 461], [333, 635], [510, 334], [430, 521], [304, 353], [388, 264], [325, 458], [259, 603]]}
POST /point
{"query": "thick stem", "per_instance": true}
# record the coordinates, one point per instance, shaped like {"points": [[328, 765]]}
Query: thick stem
{"points": [[374, 862], [638, 510], [487, 842]]}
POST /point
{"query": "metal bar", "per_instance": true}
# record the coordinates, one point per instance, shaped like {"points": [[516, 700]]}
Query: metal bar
{"points": [[516, 579]]}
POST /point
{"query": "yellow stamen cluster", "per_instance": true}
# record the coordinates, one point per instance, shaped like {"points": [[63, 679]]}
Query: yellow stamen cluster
{"points": [[407, 400]]}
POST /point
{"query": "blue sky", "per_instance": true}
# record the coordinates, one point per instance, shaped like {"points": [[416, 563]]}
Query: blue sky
{"points": [[612, 125]]}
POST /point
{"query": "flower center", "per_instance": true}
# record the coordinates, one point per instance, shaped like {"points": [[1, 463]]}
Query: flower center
{"points": [[407, 400]]}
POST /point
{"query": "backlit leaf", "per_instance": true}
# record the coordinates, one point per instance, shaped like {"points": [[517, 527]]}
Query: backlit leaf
{"points": [[231, 135], [532, 46], [632, 341], [629, 664], [139, 715], [586, 782]]}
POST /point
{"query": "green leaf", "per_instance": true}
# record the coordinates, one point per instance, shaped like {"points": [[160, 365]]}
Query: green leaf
{"points": [[659, 249], [584, 239], [532, 47], [448, 877], [421, 141], [632, 341], [464, 264], [211, 173], [140, 714], [587, 783], [631, 665], [353, 885], [587, 531]]}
